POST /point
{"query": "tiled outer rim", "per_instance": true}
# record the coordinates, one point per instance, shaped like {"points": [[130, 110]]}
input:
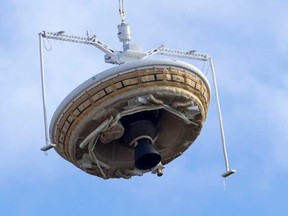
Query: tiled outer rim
{"points": [[118, 80]]}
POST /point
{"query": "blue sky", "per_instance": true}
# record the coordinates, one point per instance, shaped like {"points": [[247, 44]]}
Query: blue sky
{"points": [[249, 43]]}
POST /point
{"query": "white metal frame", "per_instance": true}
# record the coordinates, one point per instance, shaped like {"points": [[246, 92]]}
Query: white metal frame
{"points": [[128, 54], [48, 145]]}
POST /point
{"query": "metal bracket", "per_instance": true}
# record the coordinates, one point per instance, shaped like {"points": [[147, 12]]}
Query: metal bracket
{"points": [[48, 147], [94, 41], [131, 52], [193, 54]]}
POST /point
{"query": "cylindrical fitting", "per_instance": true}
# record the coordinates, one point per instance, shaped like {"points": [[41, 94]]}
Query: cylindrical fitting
{"points": [[124, 33]]}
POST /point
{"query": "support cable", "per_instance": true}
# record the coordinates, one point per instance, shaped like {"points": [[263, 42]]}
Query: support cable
{"points": [[45, 45], [93, 142], [122, 10]]}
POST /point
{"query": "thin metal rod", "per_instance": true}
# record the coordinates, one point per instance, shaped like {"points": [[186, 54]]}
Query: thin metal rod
{"points": [[122, 10], [43, 90], [228, 171]]}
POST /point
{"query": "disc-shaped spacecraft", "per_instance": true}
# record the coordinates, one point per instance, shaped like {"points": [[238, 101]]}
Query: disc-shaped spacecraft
{"points": [[131, 119]]}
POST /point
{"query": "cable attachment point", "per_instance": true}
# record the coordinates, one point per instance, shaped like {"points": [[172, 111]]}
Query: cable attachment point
{"points": [[122, 11]]}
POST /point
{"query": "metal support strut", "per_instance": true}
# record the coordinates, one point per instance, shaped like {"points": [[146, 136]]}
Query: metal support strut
{"points": [[48, 145], [228, 170]]}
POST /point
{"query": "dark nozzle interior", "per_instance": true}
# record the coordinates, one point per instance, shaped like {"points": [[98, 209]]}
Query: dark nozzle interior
{"points": [[146, 156], [140, 131]]}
